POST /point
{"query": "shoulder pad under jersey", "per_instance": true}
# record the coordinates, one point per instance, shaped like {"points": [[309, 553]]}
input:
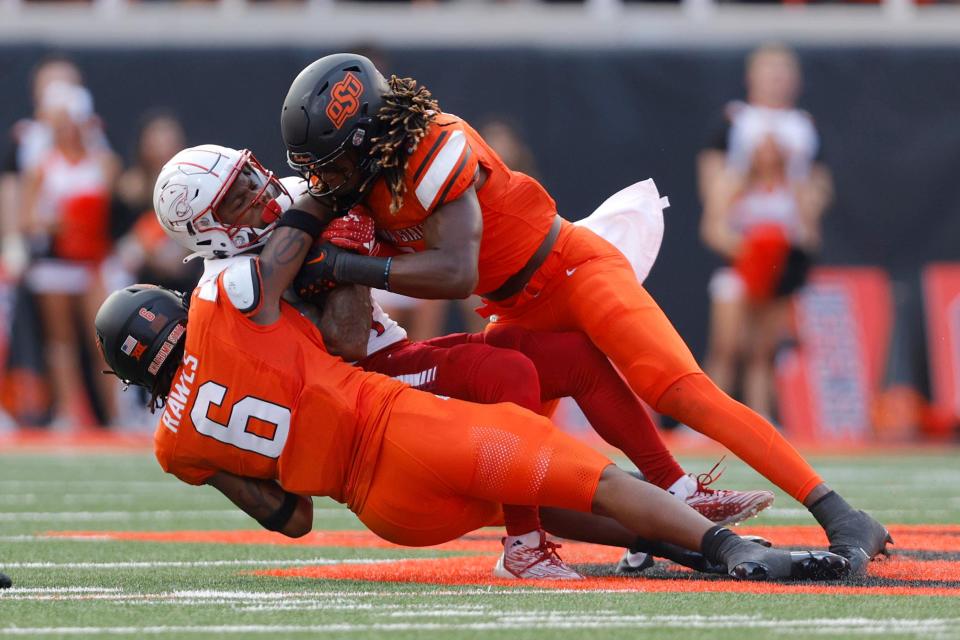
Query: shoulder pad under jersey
{"points": [[241, 281]]}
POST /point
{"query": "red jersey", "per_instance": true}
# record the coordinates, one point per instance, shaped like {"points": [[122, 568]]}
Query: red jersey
{"points": [[269, 402], [517, 210]]}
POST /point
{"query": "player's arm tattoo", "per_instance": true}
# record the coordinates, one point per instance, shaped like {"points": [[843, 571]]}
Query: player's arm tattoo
{"points": [[280, 260], [260, 499], [286, 246]]}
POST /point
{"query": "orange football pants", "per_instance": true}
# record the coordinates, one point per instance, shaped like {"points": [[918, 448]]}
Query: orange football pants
{"points": [[586, 284], [446, 466]]}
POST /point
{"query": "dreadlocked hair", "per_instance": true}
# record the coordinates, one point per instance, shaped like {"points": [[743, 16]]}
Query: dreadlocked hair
{"points": [[408, 110], [161, 385], [164, 380]]}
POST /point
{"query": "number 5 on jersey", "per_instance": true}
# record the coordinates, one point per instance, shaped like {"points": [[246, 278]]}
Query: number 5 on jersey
{"points": [[235, 431]]}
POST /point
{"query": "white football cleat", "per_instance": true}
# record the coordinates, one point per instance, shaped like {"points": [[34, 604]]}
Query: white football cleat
{"points": [[520, 560], [721, 506]]}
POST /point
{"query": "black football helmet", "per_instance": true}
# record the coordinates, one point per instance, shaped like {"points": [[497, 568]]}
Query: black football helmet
{"points": [[141, 331], [330, 109]]}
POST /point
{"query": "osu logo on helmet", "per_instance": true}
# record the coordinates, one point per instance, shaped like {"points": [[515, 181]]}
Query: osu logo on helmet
{"points": [[344, 99]]}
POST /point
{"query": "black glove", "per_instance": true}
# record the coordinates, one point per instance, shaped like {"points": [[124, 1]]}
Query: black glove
{"points": [[328, 265], [316, 276]]}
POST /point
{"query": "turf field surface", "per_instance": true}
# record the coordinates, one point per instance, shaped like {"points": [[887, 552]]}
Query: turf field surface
{"points": [[103, 544]]}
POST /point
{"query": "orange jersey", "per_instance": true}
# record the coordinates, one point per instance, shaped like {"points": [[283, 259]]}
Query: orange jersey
{"points": [[517, 210], [269, 402]]}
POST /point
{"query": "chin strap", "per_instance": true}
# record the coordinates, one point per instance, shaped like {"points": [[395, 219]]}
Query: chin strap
{"points": [[192, 256]]}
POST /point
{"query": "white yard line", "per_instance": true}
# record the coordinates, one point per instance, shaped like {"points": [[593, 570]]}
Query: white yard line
{"points": [[161, 564], [537, 620], [48, 590], [85, 516], [44, 537], [17, 499], [128, 485]]}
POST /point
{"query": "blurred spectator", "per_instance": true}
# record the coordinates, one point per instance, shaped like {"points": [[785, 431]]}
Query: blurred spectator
{"points": [[24, 391], [65, 207], [30, 139], [503, 137], [143, 252], [764, 190]]}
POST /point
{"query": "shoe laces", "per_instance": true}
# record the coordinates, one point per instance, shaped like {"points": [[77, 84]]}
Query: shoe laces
{"points": [[547, 553], [704, 480], [549, 550]]}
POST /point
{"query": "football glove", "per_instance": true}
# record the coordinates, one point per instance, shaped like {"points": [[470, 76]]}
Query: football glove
{"points": [[354, 232], [315, 278]]}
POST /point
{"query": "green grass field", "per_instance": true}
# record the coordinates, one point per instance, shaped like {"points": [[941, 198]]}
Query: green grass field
{"points": [[99, 586]]}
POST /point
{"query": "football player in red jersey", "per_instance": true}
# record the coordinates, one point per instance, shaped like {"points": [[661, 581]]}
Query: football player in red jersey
{"points": [[460, 221], [220, 202]]}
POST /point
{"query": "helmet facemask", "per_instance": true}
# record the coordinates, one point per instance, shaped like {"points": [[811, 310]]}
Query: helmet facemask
{"points": [[246, 236], [349, 190]]}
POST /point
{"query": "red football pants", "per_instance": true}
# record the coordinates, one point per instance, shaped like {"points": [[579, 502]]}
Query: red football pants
{"points": [[512, 364]]}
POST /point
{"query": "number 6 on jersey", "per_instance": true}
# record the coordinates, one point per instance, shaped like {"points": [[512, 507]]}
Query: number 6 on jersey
{"points": [[235, 431]]}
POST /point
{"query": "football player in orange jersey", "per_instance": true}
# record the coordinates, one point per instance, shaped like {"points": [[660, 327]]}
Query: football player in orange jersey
{"points": [[232, 207], [255, 407], [461, 222]]}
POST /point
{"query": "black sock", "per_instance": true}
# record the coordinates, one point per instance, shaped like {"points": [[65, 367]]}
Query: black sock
{"points": [[641, 545], [713, 540], [828, 508]]}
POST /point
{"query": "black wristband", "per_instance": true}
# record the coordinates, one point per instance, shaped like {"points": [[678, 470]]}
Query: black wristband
{"points": [[299, 219], [365, 270], [277, 520]]}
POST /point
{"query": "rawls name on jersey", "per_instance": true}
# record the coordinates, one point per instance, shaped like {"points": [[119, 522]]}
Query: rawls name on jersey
{"points": [[180, 393]]}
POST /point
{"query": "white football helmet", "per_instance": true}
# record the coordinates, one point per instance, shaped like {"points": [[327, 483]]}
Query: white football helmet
{"points": [[192, 185]]}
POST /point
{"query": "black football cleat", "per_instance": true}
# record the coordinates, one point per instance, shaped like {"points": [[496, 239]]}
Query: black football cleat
{"points": [[639, 558], [760, 540], [858, 538], [818, 565], [775, 564], [5, 581]]}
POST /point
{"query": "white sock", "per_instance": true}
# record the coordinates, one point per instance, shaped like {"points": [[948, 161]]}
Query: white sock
{"points": [[683, 488], [531, 539]]}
